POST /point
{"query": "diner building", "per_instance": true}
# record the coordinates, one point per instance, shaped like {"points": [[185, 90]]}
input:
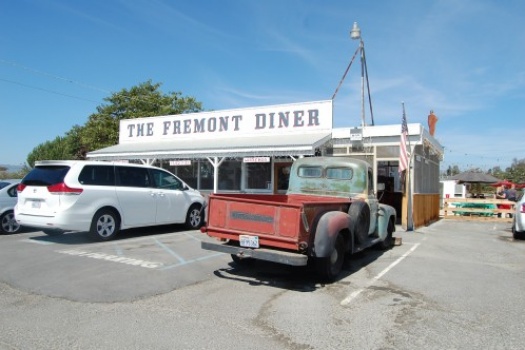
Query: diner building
{"points": [[250, 150]]}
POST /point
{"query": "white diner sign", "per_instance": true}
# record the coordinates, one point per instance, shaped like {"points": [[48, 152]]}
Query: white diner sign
{"points": [[283, 119], [256, 160], [180, 162]]}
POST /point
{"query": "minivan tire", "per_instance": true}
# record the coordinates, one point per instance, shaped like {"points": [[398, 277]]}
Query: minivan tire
{"points": [[105, 225], [194, 218]]}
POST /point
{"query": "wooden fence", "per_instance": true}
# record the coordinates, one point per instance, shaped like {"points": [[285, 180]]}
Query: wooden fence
{"points": [[478, 209]]}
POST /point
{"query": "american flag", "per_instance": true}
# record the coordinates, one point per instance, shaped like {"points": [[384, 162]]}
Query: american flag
{"points": [[403, 155]]}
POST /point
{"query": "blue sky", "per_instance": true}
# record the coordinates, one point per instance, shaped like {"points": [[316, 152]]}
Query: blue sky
{"points": [[463, 59]]}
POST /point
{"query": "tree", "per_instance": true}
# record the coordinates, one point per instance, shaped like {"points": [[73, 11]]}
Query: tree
{"points": [[144, 100], [102, 128], [452, 170], [516, 172], [56, 150]]}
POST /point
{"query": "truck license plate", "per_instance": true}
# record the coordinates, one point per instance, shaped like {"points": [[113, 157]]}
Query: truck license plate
{"points": [[249, 241]]}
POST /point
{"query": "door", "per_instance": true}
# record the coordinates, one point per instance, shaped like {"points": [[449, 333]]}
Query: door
{"points": [[171, 198], [281, 177], [136, 196]]}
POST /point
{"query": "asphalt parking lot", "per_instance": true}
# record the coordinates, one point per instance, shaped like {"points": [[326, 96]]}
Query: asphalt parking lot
{"points": [[451, 285], [139, 263]]}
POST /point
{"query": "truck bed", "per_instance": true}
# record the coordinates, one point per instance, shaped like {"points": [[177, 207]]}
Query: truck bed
{"points": [[279, 221]]}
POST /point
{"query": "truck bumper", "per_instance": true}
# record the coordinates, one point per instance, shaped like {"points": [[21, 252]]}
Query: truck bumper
{"points": [[278, 256]]}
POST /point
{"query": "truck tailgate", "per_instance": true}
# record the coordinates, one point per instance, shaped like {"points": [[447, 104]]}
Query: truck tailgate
{"points": [[271, 218]]}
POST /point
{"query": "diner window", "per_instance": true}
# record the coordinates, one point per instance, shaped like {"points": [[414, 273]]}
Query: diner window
{"points": [[259, 176], [206, 172], [230, 175], [187, 173]]}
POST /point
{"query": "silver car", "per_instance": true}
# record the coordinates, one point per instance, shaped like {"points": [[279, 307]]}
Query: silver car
{"points": [[8, 199]]}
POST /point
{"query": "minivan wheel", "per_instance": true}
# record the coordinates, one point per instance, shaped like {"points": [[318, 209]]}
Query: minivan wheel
{"points": [[8, 224], [105, 225], [194, 217]]}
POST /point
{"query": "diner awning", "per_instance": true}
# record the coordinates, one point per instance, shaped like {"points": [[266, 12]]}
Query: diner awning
{"points": [[245, 146]]}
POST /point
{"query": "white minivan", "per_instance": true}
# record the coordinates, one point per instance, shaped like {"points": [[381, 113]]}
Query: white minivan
{"points": [[104, 197]]}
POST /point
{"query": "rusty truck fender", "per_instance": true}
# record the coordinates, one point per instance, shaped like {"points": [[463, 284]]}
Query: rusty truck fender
{"points": [[328, 227], [386, 213]]}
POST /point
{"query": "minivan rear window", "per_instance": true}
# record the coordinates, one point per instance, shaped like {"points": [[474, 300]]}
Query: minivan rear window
{"points": [[46, 175]]}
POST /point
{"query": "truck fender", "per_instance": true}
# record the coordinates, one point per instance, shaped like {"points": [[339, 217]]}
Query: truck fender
{"points": [[386, 213], [328, 227]]}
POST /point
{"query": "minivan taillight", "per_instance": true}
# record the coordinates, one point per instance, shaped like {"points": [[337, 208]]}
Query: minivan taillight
{"points": [[20, 187], [62, 188]]}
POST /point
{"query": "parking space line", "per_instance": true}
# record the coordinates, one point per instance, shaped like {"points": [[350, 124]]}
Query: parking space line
{"points": [[191, 236], [186, 262], [356, 293], [169, 250]]}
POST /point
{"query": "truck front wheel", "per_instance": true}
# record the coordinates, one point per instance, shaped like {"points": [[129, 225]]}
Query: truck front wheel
{"points": [[330, 267]]}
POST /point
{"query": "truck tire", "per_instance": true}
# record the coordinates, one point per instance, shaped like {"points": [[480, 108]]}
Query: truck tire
{"points": [[330, 267], [359, 212]]}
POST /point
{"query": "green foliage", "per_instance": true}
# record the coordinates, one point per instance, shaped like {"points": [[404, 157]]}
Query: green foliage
{"points": [[56, 150], [102, 128]]}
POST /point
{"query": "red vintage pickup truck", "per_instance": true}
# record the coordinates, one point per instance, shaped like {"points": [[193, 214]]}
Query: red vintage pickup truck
{"points": [[329, 210]]}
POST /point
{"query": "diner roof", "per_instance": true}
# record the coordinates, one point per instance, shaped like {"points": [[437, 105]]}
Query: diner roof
{"points": [[263, 145]]}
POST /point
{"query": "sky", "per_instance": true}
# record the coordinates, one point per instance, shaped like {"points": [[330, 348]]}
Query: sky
{"points": [[465, 60]]}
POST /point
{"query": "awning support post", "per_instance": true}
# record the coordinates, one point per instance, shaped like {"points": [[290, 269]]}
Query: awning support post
{"points": [[215, 162]]}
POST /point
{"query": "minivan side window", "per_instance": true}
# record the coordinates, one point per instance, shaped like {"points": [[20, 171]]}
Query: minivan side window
{"points": [[166, 180], [132, 176], [101, 175]]}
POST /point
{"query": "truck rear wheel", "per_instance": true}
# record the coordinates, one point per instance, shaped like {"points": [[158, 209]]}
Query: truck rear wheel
{"points": [[359, 220], [330, 267]]}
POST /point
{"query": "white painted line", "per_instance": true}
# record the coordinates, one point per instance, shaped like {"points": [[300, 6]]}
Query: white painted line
{"points": [[192, 261], [354, 294], [169, 250]]}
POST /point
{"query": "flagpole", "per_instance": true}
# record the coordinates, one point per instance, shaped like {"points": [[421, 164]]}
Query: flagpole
{"points": [[406, 166]]}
